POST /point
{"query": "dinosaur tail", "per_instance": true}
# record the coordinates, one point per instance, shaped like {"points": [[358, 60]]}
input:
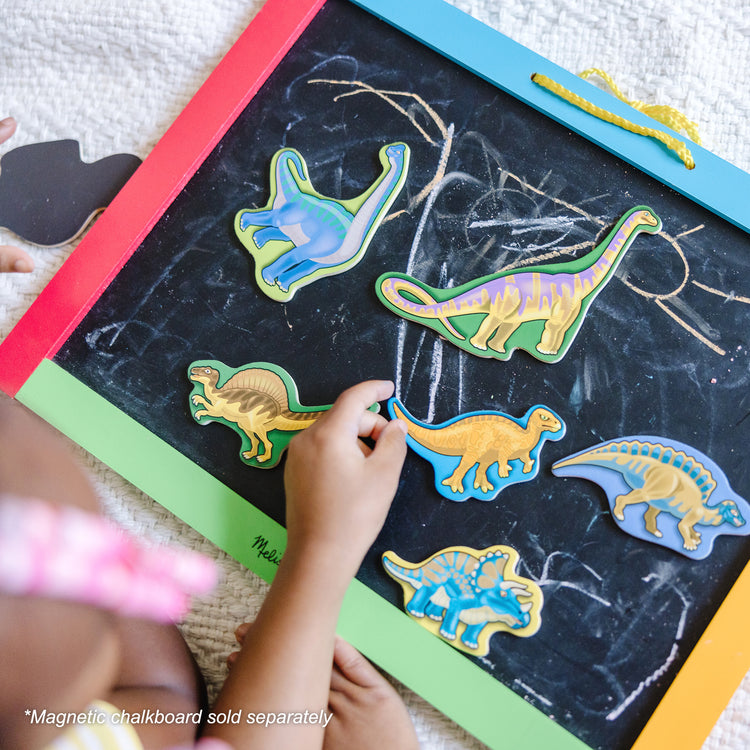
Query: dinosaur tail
{"points": [[392, 289], [430, 437], [296, 420], [586, 457], [396, 568], [614, 455]]}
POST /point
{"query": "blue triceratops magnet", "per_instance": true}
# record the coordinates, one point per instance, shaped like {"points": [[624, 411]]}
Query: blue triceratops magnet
{"points": [[464, 596], [480, 453], [666, 480], [300, 235]]}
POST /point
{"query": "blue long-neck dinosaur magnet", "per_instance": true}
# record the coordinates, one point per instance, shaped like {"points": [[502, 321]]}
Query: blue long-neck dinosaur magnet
{"points": [[465, 596], [539, 309], [301, 236], [675, 483], [480, 453]]}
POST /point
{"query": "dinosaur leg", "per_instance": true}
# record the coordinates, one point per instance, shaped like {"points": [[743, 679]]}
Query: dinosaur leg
{"points": [[470, 636], [261, 236], [246, 424], [455, 480], [267, 445], [434, 611], [209, 409], [486, 328], [253, 452], [286, 261], [562, 316], [650, 519], [450, 621], [305, 249], [261, 218], [691, 538], [659, 483], [296, 273], [500, 312], [503, 465], [274, 269], [416, 605], [622, 501], [502, 334], [480, 480]]}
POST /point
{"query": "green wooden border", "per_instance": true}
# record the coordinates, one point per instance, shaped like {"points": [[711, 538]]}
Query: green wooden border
{"points": [[443, 676]]}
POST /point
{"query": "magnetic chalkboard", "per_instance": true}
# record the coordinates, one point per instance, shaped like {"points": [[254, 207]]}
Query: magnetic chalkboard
{"points": [[492, 184]]}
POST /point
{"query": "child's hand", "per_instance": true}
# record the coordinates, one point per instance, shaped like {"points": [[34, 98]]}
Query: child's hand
{"points": [[338, 490], [12, 258]]}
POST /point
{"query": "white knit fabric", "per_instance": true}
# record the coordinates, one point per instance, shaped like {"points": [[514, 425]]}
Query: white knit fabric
{"points": [[114, 75]]}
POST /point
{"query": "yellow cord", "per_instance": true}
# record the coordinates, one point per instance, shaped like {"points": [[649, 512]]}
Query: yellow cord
{"points": [[664, 114]]}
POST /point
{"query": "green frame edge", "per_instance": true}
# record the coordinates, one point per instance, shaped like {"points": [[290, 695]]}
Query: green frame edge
{"points": [[433, 669]]}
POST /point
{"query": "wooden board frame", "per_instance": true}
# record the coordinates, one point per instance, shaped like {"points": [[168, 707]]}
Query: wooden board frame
{"points": [[489, 710]]}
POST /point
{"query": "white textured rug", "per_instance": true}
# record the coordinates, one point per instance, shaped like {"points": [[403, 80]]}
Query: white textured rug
{"points": [[115, 75]]}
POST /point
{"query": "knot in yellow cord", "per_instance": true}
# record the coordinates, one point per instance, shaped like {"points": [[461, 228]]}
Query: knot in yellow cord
{"points": [[662, 113]]}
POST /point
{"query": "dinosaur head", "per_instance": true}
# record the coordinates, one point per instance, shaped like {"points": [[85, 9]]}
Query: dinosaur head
{"points": [[730, 513], [395, 151], [499, 594], [204, 374], [544, 420], [647, 220]]}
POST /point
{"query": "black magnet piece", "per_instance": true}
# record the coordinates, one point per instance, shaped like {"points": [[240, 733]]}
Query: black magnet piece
{"points": [[48, 195]]}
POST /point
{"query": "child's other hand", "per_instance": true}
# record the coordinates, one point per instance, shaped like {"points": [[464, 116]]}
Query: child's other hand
{"points": [[12, 259], [338, 489]]}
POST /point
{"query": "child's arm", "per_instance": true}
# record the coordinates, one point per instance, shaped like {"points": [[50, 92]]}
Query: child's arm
{"points": [[157, 671], [338, 494]]}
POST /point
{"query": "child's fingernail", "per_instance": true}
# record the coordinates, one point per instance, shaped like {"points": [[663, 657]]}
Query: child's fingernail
{"points": [[7, 123], [23, 265]]}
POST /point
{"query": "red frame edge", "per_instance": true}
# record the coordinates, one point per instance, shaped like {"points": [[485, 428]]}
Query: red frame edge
{"points": [[119, 231]]}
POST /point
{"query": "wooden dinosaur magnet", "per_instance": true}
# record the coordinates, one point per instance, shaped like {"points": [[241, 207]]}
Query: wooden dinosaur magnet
{"points": [[481, 453], [300, 236], [661, 490], [48, 195], [465, 596], [258, 401], [539, 309]]}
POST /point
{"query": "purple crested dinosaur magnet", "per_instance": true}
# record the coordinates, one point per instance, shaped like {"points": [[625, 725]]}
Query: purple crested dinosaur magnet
{"points": [[258, 401], [538, 309], [464, 596], [648, 478], [48, 195], [300, 235], [480, 453]]}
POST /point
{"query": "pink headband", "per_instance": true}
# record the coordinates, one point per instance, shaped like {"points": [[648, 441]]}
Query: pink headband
{"points": [[60, 552]]}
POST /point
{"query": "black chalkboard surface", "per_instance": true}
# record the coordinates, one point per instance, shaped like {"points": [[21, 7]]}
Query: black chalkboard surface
{"points": [[492, 184]]}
